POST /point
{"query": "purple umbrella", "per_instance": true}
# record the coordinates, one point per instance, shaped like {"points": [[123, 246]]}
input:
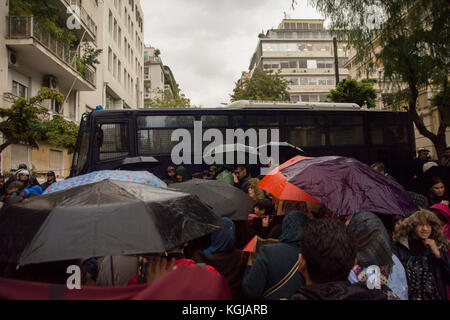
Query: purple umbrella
{"points": [[347, 186]]}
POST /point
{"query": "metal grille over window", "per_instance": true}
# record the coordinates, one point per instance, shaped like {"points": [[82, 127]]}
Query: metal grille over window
{"points": [[115, 142]]}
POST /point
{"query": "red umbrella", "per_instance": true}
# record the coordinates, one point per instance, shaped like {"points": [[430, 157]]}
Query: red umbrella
{"points": [[276, 184]]}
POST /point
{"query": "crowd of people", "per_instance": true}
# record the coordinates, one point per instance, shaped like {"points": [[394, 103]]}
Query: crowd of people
{"points": [[301, 251]]}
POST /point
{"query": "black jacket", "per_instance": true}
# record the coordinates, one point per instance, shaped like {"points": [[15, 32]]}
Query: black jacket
{"points": [[341, 290], [439, 267]]}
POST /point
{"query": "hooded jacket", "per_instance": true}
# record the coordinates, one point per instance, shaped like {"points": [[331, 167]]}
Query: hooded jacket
{"points": [[403, 239], [274, 261]]}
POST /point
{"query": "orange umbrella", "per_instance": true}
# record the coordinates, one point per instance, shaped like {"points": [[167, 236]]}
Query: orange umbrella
{"points": [[276, 184]]}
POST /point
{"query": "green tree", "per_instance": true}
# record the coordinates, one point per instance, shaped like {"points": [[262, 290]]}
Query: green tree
{"points": [[48, 15], [262, 85], [166, 100], [410, 38], [89, 59], [351, 91], [22, 122], [60, 133]]}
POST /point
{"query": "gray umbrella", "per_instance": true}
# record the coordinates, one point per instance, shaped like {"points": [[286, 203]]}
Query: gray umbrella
{"points": [[102, 219]]}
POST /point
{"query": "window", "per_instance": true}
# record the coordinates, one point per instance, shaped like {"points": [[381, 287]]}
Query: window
{"points": [[306, 130], [303, 64], [115, 66], [115, 142], [19, 154], [115, 30], [56, 162], [19, 89], [110, 22], [119, 38], [109, 59], [346, 130], [119, 71]]}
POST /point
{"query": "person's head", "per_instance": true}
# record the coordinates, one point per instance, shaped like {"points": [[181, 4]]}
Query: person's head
{"points": [[240, 171], [51, 177], [253, 191], [263, 208], [2, 181], [379, 166], [223, 239], [441, 211], [23, 175], [16, 188], [212, 171], [372, 240], [205, 174], [317, 210], [421, 225], [423, 153], [293, 224], [437, 187], [180, 174], [22, 166], [327, 251], [171, 171]]}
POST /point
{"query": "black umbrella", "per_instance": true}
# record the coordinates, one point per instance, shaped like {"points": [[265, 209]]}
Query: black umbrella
{"points": [[224, 199], [239, 153], [102, 219]]}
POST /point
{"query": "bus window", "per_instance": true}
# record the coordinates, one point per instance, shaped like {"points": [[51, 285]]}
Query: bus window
{"points": [[214, 121], [306, 130], [346, 130], [150, 122], [388, 130], [115, 141], [241, 121]]}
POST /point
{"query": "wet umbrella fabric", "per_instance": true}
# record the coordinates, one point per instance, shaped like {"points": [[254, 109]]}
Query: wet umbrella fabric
{"points": [[276, 184], [224, 199], [107, 218], [143, 177], [347, 186]]}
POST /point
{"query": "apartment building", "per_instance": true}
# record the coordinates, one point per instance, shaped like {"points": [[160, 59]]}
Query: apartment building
{"points": [[121, 70], [302, 50], [31, 58], [158, 79], [384, 101]]}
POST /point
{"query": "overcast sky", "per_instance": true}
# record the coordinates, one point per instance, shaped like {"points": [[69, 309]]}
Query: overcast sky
{"points": [[208, 43]]}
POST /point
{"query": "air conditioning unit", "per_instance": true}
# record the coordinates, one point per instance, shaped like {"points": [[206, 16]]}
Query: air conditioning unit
{"points": [[49, 82], [12, 58]]}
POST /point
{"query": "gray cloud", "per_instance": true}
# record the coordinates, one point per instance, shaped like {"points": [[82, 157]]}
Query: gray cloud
{"points": [[208, 43]]}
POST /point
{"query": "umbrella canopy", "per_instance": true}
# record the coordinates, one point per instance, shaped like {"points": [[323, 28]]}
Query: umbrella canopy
{"points": [[286, 150], [276, 184], [143, 177], [224, 199], [347, 186], [106, 218], [236, 151]]}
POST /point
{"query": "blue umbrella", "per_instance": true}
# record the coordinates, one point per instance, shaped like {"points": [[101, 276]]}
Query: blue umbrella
{"points": [[347, 186], [142, 177]]}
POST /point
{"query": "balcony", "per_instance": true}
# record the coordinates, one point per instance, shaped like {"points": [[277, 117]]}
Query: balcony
{"points": [[41, 51], [82, 17]]}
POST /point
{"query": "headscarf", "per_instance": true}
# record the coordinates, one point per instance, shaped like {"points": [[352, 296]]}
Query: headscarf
{"points": [[182, 171], [293, 223], [445, 210], [222, 240], [372, 239]]}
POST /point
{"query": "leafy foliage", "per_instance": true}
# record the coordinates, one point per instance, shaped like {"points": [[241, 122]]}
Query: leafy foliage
{"points": [[166, 100], [60, 133], [262, 85], [22, 122], [408, 38], [351, 91], [89, 58], [48, 16]]}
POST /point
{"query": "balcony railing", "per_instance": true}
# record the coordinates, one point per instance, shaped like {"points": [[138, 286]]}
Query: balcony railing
{"points": [[27, 27], [83, 15]]}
